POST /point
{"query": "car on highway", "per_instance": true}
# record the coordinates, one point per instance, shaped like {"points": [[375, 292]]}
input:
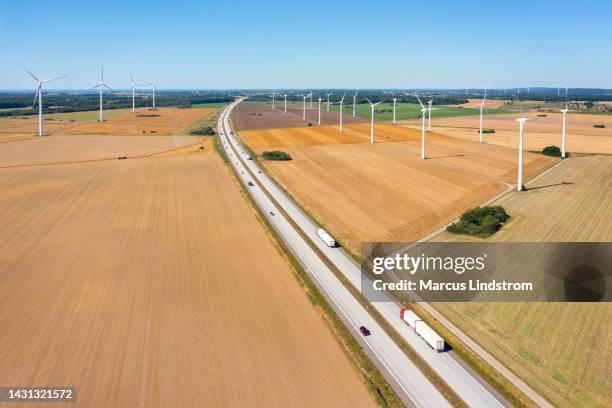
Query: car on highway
{"points": [[251, 184], [364, 331]]}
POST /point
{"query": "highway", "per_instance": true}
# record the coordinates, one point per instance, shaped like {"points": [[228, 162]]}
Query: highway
{"points": [[462, 381], [407, 380]]}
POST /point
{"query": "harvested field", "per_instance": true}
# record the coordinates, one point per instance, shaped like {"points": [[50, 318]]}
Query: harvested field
{"points": [[327, 135], [60, 149], [393, 194], [582, 137], [163, 121], [260, 115], [150, 283], [28, 125], [490, 103], [573, 366]]}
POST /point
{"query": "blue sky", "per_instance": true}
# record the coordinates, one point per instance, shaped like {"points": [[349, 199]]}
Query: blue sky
{"points": [[308, 44]]}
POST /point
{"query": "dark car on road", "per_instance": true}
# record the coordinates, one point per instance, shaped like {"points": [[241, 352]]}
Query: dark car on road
{"points": [[364, 331]]}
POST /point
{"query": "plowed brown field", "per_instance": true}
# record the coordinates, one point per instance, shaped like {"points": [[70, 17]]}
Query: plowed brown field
{"points": [[163, 121], [150, 283], [384, 192], [260, 115], [582, 136]]}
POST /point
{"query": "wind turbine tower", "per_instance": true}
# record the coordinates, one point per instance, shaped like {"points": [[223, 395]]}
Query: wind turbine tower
{"points": [[39, 95], [430, 103], [100, 87], [154, 85], [328, 95], [285, 103], [304, 109], [519, 181], [273, 95], [372, 106], [564, 112], [320, 110], [310, 95], [341, 111], [424, 112], [354, 102], [133, 86], [482, 106], [394, 104]]}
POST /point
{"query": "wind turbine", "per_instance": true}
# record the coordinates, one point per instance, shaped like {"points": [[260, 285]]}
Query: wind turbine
{"points": [[320, 110], [133, 86], [310, 95], [424, 112], [564, 112], [285, 103], [372, 105], [100, 87], [354, 102], [429, 110], [328, 102], [482, 106], [394, 103], [519, 181], [273, 94], [304, 110], [39, 95], [154, 85], [341, 108]]}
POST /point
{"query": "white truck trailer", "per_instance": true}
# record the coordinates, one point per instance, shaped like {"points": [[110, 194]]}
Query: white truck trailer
{"points": [[411, 318], [429, 335], [325, 237]]}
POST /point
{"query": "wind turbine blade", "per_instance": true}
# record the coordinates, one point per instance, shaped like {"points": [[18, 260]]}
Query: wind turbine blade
{"points": [[31, 74], [132, 78], [54, 79], [419, 99], [36, 96], [108, 87]]}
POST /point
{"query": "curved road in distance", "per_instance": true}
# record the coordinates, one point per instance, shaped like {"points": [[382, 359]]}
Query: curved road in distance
{"points": [[413, 388]]}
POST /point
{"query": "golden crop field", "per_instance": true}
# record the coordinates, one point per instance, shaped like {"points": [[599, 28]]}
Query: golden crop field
{"points": [[63, 148], [28, 125], [384, 192], [563, 350], [150, 282], [582, 136], [163, 121], [490, 103]]}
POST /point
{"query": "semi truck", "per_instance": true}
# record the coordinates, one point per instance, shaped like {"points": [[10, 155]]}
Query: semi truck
{"points": [[421, 328], [325, 237]]}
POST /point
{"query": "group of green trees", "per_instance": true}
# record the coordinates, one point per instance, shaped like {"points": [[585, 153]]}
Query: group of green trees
{"points": [[203, 131], [276, 155], [20, 103], [480, 221]]}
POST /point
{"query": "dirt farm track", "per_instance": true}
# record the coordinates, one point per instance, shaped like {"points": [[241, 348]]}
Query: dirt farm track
{"points": [[150, 283]]}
